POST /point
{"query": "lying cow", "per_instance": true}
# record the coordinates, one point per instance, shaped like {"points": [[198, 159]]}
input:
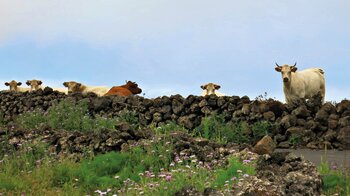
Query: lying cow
{"points": [[302, 84], [75, 87], [15, 86], [36, 85], [130, 88], [210, 89]]}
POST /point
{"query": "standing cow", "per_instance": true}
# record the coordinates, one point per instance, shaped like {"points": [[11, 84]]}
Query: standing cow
{"points": [[302, 84]]}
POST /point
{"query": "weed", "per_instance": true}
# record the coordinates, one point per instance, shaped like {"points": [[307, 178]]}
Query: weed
{"points": [[260, 129], [128, 116], [215, 127], [295, 139]]}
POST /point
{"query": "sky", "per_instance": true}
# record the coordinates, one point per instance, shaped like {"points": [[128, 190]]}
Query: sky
{"points": [[174, 47]]}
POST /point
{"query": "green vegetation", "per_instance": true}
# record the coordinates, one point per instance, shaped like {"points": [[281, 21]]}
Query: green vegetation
{"points": [[149, 168], [170, 127], [216, 128], [335, 181], [233, 172], [295, 139], [66, 115], [128, 116]]}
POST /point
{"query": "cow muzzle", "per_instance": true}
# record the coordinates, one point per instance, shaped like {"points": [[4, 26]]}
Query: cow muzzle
{"points": [[285, 80]]}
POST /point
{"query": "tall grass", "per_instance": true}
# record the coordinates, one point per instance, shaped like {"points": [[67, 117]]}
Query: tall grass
{"points": [[66, 115], [215, 127]]}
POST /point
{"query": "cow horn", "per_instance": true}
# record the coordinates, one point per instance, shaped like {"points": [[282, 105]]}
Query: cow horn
{"points": [[277, 64], [295, 64]]}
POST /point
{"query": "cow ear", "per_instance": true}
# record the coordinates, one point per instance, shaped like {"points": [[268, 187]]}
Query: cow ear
{"points": [[28, 83], [7, 84], [204, 87], [65, 84], [40, 82], [278, 69], [294, 69], [19, 83]]}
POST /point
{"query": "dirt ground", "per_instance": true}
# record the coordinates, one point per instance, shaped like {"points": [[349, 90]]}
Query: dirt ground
{"points": [[333, 157]]}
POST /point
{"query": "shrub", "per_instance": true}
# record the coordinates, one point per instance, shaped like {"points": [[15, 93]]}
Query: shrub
{"points": [[128, 116]]}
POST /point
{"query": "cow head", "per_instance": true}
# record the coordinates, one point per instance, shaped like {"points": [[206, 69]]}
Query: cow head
{"points": [[13, 85], [34, 84], [132, 87], [73, 87], [286, 71], [210, 88]]}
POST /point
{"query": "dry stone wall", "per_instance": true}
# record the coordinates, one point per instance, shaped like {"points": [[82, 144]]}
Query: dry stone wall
{"points": [[316, 125]]}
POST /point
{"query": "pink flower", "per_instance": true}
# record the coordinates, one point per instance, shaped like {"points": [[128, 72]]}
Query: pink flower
{"points": [[168, 178]]}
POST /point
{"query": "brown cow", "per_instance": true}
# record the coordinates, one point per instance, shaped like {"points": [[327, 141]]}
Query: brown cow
{"points": [[130, 88]]}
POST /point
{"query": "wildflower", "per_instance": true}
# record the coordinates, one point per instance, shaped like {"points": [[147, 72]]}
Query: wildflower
{"points": [[141, 192], [116, 177], [245, 175], [188, 166], [334, 167], [246, 161], [168, 178], [161, 175], [239, 171], [172, 164]]}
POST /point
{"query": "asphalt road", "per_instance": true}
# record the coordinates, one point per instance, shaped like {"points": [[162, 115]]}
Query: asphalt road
{"points": [[333, 157]]}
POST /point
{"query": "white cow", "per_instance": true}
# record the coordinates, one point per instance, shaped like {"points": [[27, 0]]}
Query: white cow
{"points": [[15, 86], [74, 87], [36, 85], [302, 84], [210, 88]]}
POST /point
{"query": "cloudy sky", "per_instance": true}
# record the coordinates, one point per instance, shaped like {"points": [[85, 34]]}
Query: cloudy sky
{"points": [[173, 47]]}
